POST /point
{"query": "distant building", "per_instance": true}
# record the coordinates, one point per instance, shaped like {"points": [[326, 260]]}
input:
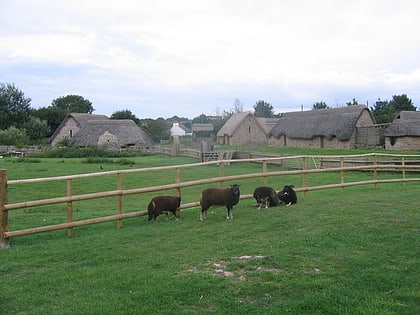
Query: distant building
{"points": [[202, 130], [404, 132], [84, 130], [345, 127], [179, 130], [244, 129]]}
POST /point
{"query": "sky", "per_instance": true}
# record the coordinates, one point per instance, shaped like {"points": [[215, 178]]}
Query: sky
{"points": [[163, 58]]}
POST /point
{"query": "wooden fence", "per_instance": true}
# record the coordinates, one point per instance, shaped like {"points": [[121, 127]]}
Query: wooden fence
{"points": [[307, 162]]}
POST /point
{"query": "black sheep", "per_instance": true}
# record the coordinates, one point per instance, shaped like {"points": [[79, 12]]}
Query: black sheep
{"points": [[266, 197], [164, 204], [287, 195], [219, 197]]}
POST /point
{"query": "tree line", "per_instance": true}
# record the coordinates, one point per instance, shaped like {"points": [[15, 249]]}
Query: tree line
{"points": [[20, 124]]}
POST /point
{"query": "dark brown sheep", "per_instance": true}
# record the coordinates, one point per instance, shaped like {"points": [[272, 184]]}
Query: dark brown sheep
{"points": [[164, 204], [219, 197]]}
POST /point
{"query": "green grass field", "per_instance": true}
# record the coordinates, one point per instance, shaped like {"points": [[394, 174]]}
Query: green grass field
{"points": [[335, 252]]}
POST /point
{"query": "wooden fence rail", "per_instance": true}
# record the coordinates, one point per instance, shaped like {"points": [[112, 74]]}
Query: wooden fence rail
{"points": [[6, 234]]}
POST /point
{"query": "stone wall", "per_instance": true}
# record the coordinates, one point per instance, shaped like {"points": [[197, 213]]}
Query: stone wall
{"points": [[402, 143], [69, 130]]}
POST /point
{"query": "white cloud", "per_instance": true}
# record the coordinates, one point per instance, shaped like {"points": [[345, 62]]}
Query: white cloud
{"points": [[187, 52]]}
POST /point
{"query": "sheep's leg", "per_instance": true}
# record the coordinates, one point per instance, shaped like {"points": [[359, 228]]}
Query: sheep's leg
{"points": [[203, 214], [229, 213]]}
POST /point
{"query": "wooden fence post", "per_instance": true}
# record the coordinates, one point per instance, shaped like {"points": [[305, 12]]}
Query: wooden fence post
{"points": [[119, 198], [304, 179], [342, 172], [403, 168], [69, 206], [375, 169], [4, 215], [265, 171], [221, 172], [178, 180]]}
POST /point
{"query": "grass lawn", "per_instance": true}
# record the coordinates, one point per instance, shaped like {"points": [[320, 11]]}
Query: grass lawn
{"points": [[335, 252]]}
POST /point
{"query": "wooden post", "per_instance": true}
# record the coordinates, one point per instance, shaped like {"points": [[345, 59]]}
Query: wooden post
{"points": [[119, 199], [178, 180], [403, 168], [304, 179], [375, 169], [342, 172], [69, 206], [4, 215], [265, 171], [221, 172]]}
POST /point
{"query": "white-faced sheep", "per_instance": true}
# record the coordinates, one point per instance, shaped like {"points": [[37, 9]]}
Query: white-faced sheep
{"points": [[164, 204], [287, 195], [266, 197], [219, 197]]}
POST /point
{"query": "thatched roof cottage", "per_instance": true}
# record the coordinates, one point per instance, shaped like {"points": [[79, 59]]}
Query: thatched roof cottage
{"points": [[404, 132], [323, 128], [84, 130], [112, 134], [244, 129], [71, 125]]}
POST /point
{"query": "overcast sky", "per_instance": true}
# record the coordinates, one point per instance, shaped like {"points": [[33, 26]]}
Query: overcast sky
{"points": [[163, 58]]}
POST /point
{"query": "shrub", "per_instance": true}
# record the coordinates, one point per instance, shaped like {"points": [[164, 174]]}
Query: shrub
{"points": [[14, 136]]}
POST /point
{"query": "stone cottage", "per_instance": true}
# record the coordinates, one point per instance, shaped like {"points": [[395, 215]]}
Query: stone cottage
{"points": [[324, 128]]}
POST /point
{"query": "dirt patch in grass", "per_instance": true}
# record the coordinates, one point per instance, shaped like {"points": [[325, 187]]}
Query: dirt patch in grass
{"points": [[236, 267]]}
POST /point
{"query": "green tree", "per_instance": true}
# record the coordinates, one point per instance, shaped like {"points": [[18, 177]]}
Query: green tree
{"points": [[385, 111], [401, 103], [73, 104], [202, 119], [36, 128], [52, 115], [320, 105], [14, 106], [14, 136], [158, 129], [263, 109], [353, 102], [125, 114]]}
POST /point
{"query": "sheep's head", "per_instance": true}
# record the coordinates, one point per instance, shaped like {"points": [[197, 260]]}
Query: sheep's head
{"points": [[235, 189]]}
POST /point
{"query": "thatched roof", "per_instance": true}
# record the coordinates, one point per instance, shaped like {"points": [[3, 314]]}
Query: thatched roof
{"points": [[116, 132], [406, 123], [267, 123], [81, 120], [235, 121], [331, 122], [202, 127]]}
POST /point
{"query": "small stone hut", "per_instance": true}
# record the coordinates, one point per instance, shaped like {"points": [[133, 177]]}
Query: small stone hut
{"points": [[404, 132], [322, 128], [84, 130], [243, 129]]}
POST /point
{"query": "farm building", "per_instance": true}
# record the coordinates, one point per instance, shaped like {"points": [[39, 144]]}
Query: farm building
{"points": [[404, 132], [83, 131], [202, 130], [179, 130], [71, 125], [245, 129], [344, 127]]}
